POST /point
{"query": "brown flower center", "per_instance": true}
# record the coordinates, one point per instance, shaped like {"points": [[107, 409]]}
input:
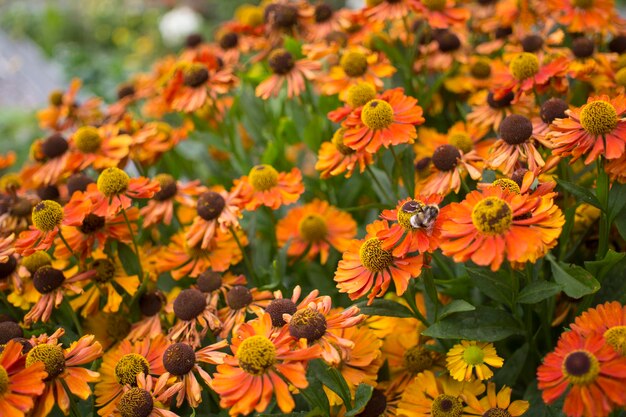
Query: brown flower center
{"points": [[179, 359], [189, 304], [54, 146], [210, 205], [516, 129], [446, 157], [277, 308], [47, 279], [307, 324], [239, 297]]}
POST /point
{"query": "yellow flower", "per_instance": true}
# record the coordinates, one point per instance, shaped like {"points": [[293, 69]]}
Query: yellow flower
{"points": [[468, 356]]}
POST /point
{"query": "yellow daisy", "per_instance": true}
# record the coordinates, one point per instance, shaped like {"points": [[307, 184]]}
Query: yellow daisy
{"points": [[467, 356], [493, 404]]}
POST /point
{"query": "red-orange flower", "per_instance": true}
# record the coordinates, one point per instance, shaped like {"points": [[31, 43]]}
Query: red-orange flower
{"points": [[286, 68], [609, 320], [116, 190], [596, 128], [263, 363], [493, 223], [417, 226], [367, 266], [20, 385], [441, 14], [264, 186], [592, 371], [64, 370], [387, 120], [313, 228], [335, 158]]}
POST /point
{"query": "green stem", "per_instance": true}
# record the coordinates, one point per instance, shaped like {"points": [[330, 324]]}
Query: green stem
{"points": [[135, 246], [68, 308], [407, 182], [378, 184], [67, 245], [246, 260]]}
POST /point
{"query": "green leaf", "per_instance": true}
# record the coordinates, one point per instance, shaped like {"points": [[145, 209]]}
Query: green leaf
{"points": [[538, 291], [600, 268], [382, 307], [582, 193], [496, 286], [483, 324], [316, 397], [617, 200], [576, 281], [128, 258], [513, 366], [361, 398], [382, 179], [333, 379], [456, 306]]}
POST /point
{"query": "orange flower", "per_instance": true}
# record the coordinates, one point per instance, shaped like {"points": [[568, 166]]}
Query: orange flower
{"points": [[116, 190], [280, 306], [64, 370], [153, 139], [516, 145], [181, 360], [161, 209], [597, 128], [526, 74], [492, 223], [94, 231], [150, 304], [53, 161], [47, 217], [20, 385], [196, 314], [313, 228], [417, 227], [590, 370], [264, 186], [100, 147], [390, 10], [63, 110], [195, 84], [384, 121], [609, 320], [7, 159], [183, 260], [488, 112], [215, 209], [356, 66], [264, 361], [51, 284], [335, 158], [367, 266], [441, 14], [315, 322], [286, 68], [239, 301], [146, 398], [123, 364], [585, 15]]}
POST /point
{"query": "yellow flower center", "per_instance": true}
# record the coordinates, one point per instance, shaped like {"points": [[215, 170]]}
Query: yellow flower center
{"points": [[136, 402], [372, 3], [524, 65], [373, 257], [249, 15], [473, 355], [35, 261], [129, 366], [598, 117], [407, 211], [338, 142], [87, 139], [581, 367], [507, 185], [583, 4], [377, 114], [312, 227], [417, 359], [492, 216], [263, 177], [461, 140], [4, 380], [256, 355], [309, 324], [446, 406], [105, 270], [620, 77], [435, 4], [354, 64], [51, 356], [10, 181], [47, 215], [359, 94], [113, 181], [616, 337]]}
